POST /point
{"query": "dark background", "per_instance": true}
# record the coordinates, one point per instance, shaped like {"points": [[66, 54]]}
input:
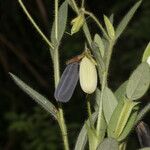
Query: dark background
{"points": [[23, 124]]}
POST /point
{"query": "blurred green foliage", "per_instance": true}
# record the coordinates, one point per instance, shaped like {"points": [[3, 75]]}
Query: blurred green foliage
{"points": [[23, 124]]}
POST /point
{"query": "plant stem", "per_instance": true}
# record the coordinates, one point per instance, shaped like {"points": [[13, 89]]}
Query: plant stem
{"points": [[85, 27], [108, 57], [97, 22], [60, 116], [61, 120], [100, 112], [56, 66], [75, 6], [103, 85], [82, 4], [89, 109], [63, 128], [56, 19], [35, 25]]}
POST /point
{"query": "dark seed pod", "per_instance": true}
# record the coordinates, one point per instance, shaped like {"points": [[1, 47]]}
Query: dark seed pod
{"points": [[143, 132], [67, 83]]}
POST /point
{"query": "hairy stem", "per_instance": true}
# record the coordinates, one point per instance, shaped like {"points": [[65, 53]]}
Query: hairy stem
{"points": [[74, 5], [56, 19], [82, 4], [89, 109], [60, 115], [97, 22], [103, 85], [35, 25], [63, 128]]}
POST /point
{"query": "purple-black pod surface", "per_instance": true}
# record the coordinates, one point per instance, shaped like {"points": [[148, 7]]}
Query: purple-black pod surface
{"points": [[67, 83]]}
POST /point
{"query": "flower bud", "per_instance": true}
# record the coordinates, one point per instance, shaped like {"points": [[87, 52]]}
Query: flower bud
{"points": [[88, 75], [77, 23], [148, 60], [67, 83]]}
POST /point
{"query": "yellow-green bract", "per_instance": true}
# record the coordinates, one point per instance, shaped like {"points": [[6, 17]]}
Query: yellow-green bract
{"points": [[77, 23], [67, 83], [88, 75], [148, 60]]}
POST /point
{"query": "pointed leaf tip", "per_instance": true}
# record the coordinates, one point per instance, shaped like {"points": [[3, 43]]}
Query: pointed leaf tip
{"points": [[40, 99], [109, 27]]}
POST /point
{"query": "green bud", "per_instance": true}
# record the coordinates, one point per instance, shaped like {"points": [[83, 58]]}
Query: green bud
{"points": [[148, 60], [146, 54], [88, 75], [77, 23]]}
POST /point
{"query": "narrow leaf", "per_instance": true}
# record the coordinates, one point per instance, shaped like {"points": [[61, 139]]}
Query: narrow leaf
{"points": [[92, 138], [124, 22], [146, 148], [121, 91], [62, 20], [146, 54], [139, 82], [41, 100], [108, 144], [82, 138], [130, 124], [99, 42], [109, 27], [97, 99], [111, 18], [109, 103], [99, 59], [103, 124], [98, 56], [124, 116], [114, 119], [87, 33]]}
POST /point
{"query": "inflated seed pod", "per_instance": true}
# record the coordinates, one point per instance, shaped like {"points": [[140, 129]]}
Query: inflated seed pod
{"points": [[68, 82], [88, 75]]}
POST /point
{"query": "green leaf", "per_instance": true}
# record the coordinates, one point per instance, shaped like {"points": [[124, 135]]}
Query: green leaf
{"points": [[146, 148], [97, 99], [139, 82], [130, 124], [82, 138], [45, 103], [121, 91], [124, 116], [87, 33], [98, 56], [108, 144], [109, 27], [111, 18], [114, 119], [99, 42], [142, 113], [146, 54], [62, 20], [92, 138], [99, 59], [109, 103], [103, 124], [124, 22], [122, 120]]}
